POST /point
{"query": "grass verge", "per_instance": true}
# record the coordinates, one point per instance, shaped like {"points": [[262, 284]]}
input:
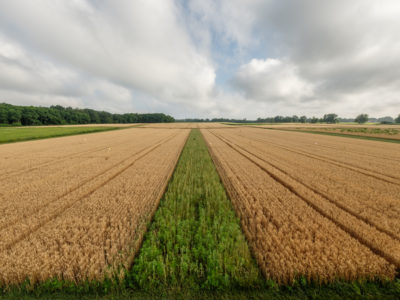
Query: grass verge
{"points": [[13, 134], [299, 290]]}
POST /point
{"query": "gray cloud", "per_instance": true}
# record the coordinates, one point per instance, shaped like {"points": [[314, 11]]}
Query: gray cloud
{"points": [[118, 44], [272, 80], [284, 57], [347, 52]]}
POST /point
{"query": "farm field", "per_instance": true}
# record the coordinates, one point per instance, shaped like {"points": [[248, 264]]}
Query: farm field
{"points": [[313, 205], [373, 132], [385, 134], [76, 208], [326, 125], [18, 134], [183, 125], [303, 215], [195, 240]]}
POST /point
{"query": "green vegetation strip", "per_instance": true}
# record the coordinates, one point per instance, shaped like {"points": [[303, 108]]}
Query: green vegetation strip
{"points": [[195, 240], [18, 134], [353, 136], [387, 131]]}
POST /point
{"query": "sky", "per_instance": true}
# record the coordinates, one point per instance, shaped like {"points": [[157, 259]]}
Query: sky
{"points": [[203, 58]]}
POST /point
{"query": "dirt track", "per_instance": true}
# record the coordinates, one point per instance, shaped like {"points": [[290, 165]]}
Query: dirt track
{"points": [[76, 207], [313, 205]]}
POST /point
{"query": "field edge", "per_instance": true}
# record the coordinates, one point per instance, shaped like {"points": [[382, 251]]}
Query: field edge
{"points": [[85, 130]]}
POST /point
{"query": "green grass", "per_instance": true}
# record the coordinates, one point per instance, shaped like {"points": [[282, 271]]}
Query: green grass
{"points": [[195, 240], [387, 131], [18, 134], [300, 290]]}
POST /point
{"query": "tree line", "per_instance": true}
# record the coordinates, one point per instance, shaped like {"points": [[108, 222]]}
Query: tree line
{"points": [[59, 115], [327, 118], [330, 119]]}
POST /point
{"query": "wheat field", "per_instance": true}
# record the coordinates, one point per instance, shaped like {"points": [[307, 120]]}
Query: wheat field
{"points": [[76, 208], [312, 205], [315, 207]]}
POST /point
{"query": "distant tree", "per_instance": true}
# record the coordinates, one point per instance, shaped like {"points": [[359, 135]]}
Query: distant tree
{"points": [[82, 117], [386, 120], [105, 117], [14, 116], [3, 115], [330, 118], [361, 119], [303, 119], [397, 119], [94, 116], [314, 120], [31, 115]]}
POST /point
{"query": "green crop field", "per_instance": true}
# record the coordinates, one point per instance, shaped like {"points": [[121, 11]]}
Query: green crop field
{"points": [[18, 134]]}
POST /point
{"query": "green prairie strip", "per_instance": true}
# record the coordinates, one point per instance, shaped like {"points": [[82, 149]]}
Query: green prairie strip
{"points": [[18, 134], [195, 240]]}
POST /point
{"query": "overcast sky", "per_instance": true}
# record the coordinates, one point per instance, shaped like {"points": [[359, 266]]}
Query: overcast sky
{"points": [[203, 58]]}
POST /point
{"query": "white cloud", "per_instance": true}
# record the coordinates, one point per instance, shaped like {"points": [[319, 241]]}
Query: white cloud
{"points": [[272, 80], [280, 57], [232, 20], [137, 45]]}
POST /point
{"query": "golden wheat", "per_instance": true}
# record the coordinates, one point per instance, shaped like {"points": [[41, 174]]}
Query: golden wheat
{"points": [[292, 229], [86, 215]]}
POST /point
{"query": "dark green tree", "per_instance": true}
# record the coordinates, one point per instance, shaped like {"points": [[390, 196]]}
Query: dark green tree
{"points": [[362, 118], [386, 120], [3, 115], [14, 116], [105, 117], [93, 115], [30, 116], [54, 115], [330, 118]]}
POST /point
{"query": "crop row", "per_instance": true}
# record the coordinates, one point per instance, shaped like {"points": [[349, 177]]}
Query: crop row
{"points": [[83, 218], [293, 228], [364, 186]]}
